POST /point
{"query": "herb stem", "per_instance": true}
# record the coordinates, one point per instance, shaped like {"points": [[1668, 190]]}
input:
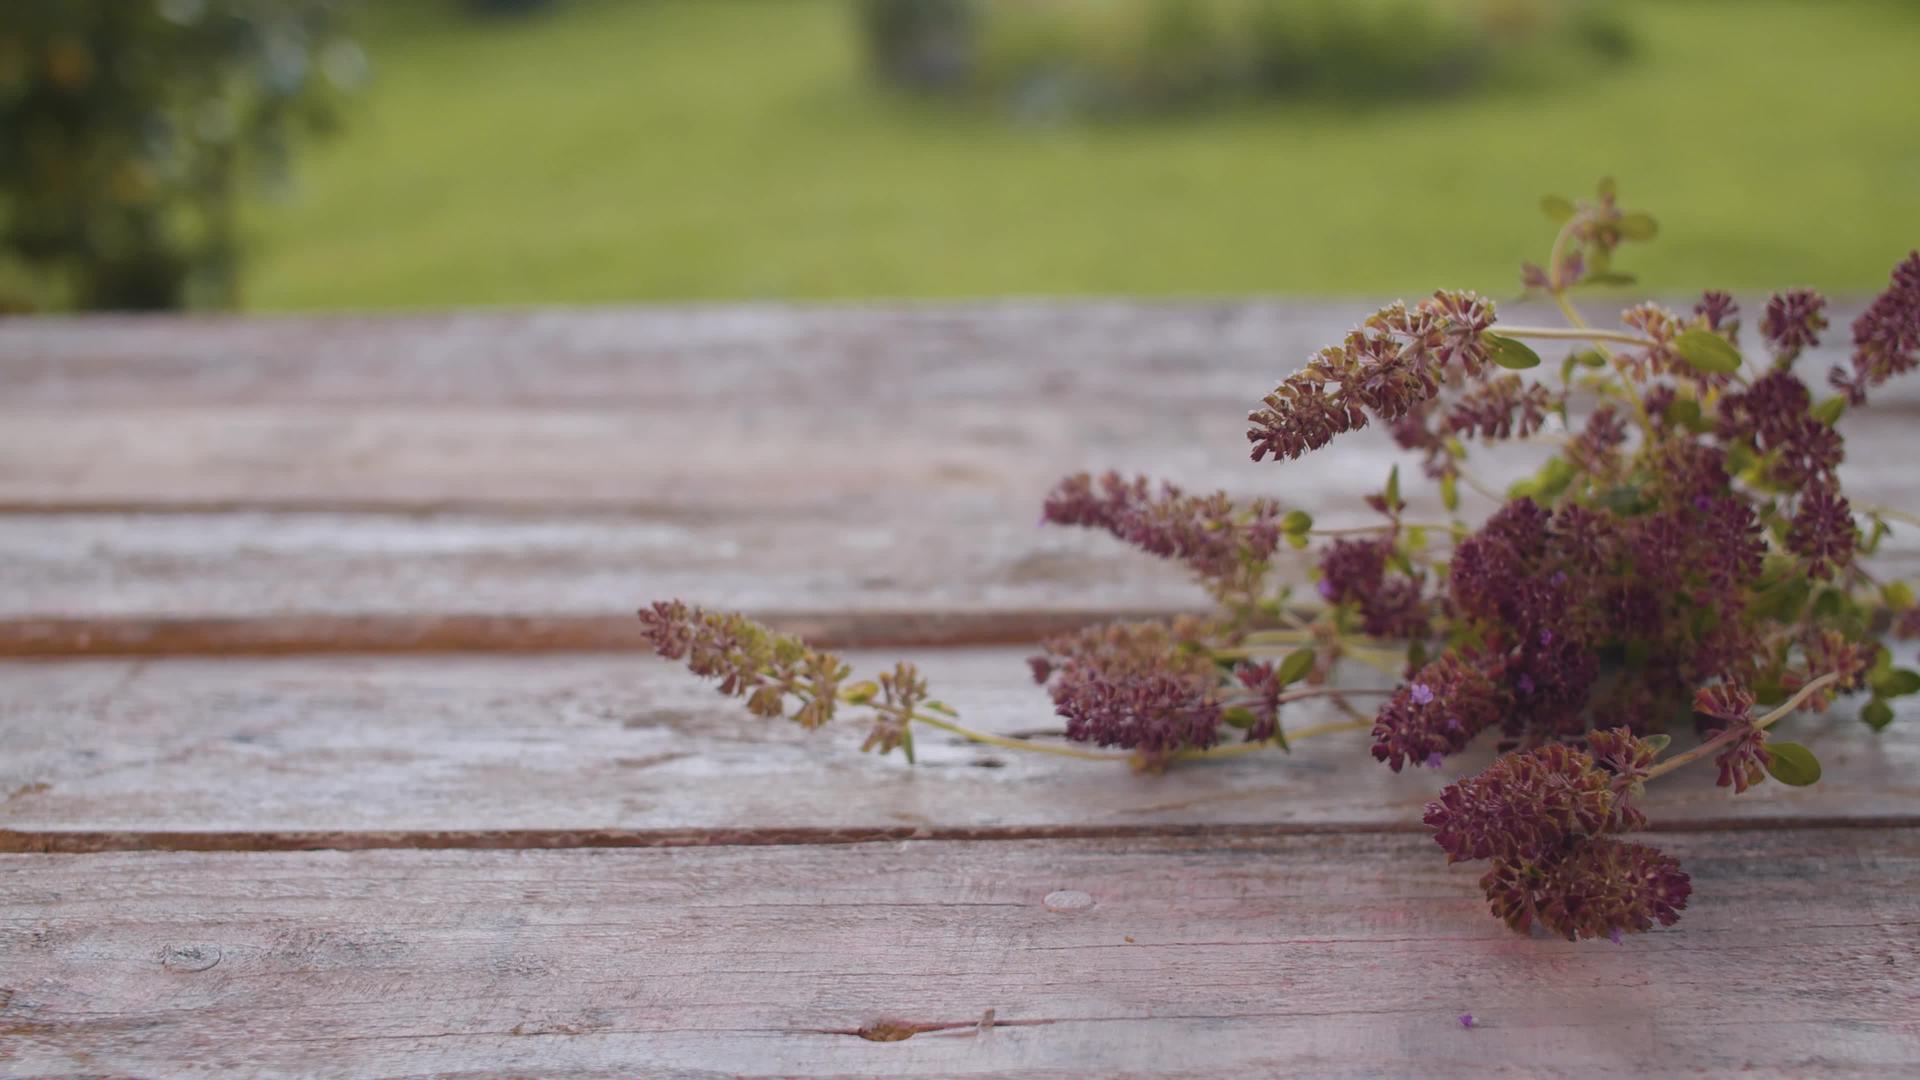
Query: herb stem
{"points": [[1015, 744], [1236, 749], [1478, 485], [1579, 332], [1735, 731], [1357, 530], [1281, 740], [1891, 514]]}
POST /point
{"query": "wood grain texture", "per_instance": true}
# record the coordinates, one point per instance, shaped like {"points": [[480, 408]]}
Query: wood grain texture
{"points": [[525, 479], [1329, 956], [561, 750]]}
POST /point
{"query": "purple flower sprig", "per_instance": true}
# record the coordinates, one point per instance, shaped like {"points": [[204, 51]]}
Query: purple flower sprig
{"points": [[1686, 549]]}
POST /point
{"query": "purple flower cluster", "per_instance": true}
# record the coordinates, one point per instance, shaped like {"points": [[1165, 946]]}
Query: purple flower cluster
{"points": [[1543, 818], [1728, 707], [1502, 407], [1599, 887], [1449, 701], [901, 692], [1215, 537], [1774, 419], [1823, 531], [1886, 336], [1399, 358], [1792, 322], [749, 660], [1135, 685], [1390, 604], [1720, 313]]}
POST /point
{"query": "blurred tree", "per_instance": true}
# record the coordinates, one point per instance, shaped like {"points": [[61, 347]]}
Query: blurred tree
{"points": [[1049, 58], [920, 44], [128, 126]]}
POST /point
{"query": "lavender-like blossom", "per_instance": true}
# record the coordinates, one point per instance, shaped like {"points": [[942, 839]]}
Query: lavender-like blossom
{"points": [[1793, 322], [1886, 336], [1217, 538], [1399, 358], [1451, 700]]}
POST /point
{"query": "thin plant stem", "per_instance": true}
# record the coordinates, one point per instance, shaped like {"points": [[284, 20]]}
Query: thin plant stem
{"points": [[1016, 744], [1267, 744], [1571, 333], [1891, 514], [1185, 755], [1358, 530], [1735, 731]]}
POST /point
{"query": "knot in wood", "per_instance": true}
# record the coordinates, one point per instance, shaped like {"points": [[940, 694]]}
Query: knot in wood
{"points": [[1067, 900], [186, 959]]}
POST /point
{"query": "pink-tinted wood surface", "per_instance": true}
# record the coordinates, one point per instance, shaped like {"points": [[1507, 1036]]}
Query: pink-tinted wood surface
{"points": [[514, 481], [561, 750], [532, 862], [1337, 956]]}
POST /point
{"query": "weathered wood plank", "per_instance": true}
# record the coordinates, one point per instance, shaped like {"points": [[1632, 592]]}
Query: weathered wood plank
{"points": [[1330, 956], [666, 358], [561, 750], [515, 480]]}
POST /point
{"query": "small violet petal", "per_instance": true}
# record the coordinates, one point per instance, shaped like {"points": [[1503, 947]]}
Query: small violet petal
{"points": [[1466, 1020]]}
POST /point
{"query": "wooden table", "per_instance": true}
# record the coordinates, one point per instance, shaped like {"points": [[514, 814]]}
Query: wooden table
{"points": [[325, 748]]}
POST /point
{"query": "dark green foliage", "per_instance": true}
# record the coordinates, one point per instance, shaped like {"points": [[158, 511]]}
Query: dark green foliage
{"points": [[128, 127], [1118, 56]]}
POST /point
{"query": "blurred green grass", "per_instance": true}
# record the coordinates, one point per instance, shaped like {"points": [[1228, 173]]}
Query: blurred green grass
{"points": [[734, 149]]}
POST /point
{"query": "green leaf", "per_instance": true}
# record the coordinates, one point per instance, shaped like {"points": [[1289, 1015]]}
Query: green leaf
{"points": [[1658, 742], [1829, 411], [1393, 487], [1685, 412], [1896, 682], [1876, 713], [1638, 226], [1706, 351], [1449, 492], [1897, 595], [1511, 354], [860, 693], [1828, 603], [1625, 501], [1296, 523], [1782, 602], [1793, 764], [1296, 540], [906, 742], [1739, 458], [1295, 666], [1557, 209], [1554, 477], [940, 707], [1591, 358], [1238, 717]]}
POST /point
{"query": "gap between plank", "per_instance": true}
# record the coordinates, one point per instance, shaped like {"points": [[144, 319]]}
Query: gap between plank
{"points": [[87, 842], [285, 635]]}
